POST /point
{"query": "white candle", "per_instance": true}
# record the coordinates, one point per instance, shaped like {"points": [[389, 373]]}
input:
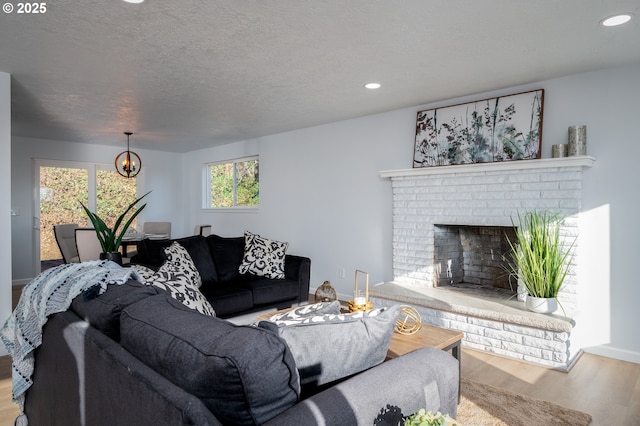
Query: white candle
{"points": [[360, 300]]}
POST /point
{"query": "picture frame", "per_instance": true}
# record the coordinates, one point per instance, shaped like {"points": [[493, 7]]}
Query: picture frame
{"points": [[503, 128]]}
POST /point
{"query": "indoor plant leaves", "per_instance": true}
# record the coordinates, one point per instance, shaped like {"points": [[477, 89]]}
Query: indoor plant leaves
{"points": [[110, 238]]}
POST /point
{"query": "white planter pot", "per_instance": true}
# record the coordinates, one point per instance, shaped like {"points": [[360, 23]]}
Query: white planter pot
{"points": [[541, 305]]}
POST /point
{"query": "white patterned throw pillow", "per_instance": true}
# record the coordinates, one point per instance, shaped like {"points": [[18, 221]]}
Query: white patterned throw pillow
{"points": [[179, 276], [328, 315], [144, 274], [263, 257], [180, 258], [306, 311]]}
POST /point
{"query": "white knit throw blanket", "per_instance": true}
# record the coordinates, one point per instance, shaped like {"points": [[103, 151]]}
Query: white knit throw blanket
{"points": [[50, 292]]}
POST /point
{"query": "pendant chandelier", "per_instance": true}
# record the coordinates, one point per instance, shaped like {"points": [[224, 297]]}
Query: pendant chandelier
{"points": [[128, 163]]}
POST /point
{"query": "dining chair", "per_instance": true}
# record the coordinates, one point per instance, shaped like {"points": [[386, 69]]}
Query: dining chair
{"points": [[157, 229], [66, 239], [204, 230], [87, 244]]}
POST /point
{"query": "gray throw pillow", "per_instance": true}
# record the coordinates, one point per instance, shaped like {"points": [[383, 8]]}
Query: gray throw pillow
{"points": [[331, 347]]}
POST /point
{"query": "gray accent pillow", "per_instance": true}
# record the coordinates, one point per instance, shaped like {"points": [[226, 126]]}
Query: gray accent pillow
{"points": [[331, 347], [244, 375]]}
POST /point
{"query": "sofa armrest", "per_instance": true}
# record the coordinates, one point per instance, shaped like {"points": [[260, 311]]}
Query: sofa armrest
{"points": [[103, 383], [298, 268], [425, 378]]}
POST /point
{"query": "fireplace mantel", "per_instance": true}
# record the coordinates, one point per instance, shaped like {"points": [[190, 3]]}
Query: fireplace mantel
{"points": [[545, 163]]}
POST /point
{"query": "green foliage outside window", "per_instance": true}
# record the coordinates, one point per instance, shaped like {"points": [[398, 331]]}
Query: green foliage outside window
{"points": [[235, 184], [113, 195], [61, 190]]}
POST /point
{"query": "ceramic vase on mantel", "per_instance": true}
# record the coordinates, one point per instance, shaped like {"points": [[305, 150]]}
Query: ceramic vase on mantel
{"points": [[541, 305]]}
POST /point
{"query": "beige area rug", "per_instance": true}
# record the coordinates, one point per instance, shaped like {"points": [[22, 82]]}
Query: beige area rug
{"points": [[482, 405]]}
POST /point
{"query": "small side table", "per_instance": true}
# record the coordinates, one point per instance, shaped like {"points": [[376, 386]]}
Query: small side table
{"points": [[428, 335]]}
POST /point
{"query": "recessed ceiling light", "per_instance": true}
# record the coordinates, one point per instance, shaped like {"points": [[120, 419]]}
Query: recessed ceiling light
{"points": [[134, 1], [615, 20], [373, 85]]}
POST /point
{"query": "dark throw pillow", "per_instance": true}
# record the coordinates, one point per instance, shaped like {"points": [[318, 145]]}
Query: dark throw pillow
{"points": [[151, 253], [198, 249], [227, 256]]}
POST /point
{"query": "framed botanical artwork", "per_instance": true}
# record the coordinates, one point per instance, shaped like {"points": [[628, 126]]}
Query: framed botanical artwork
{"points": [[497, 129]]}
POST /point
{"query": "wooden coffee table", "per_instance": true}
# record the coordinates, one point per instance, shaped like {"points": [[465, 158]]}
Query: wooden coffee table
{"points": [[428, 335]]}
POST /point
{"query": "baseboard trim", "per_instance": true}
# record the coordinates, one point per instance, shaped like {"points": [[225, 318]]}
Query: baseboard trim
{"points": [[615, 353]]}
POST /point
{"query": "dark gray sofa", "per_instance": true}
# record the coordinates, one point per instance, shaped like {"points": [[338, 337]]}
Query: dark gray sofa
{"points": [[230, 293], [135, 356]]}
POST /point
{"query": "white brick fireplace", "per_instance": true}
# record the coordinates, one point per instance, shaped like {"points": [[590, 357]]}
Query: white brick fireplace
{"points": [[487, 194]]}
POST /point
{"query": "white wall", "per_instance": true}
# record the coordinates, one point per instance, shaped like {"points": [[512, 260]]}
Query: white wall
{"points": [[608, 102], [161, 173], [5, 199], [320, 190]]}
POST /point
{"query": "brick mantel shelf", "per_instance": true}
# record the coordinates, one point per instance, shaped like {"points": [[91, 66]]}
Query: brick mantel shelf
{"points": [[502, 166]]}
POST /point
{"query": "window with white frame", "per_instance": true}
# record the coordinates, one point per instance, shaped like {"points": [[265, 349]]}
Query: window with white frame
{"points": [[232, 184]]}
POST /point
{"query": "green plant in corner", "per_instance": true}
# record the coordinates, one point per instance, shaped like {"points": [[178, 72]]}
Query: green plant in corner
{"points": [[110, 238], [540, 256]]}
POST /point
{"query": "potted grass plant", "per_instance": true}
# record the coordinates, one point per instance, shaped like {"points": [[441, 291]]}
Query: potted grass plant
{"points": [[111, 238], [540, 259]]}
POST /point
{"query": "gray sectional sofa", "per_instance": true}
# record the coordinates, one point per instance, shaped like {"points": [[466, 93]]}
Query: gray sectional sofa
{"points": [[135, 356]]}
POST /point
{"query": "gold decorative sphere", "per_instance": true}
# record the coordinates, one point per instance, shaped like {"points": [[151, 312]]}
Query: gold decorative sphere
{"points": [[409, 321]]}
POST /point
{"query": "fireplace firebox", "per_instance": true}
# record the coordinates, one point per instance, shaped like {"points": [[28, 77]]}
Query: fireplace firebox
{"points": [[473, 256]]}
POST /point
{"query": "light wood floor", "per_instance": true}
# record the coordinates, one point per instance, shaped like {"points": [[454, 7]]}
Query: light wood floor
{"points": [[606, 388], [8, 410]]}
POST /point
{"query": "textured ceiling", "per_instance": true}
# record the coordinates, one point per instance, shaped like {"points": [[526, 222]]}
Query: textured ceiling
{"points": [[188, 75]]}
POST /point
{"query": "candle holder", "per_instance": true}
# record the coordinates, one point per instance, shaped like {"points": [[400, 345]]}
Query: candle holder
{"points": [[577, 140], [360, 302], [559, 151]]}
